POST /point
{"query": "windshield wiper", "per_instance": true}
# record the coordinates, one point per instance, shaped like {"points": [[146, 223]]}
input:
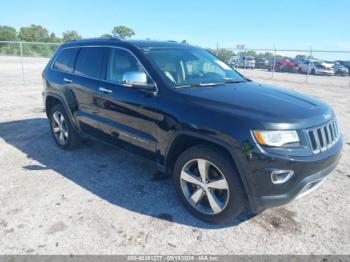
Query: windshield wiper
{"points": [[201, 84], [233, 81], [226, 81]]}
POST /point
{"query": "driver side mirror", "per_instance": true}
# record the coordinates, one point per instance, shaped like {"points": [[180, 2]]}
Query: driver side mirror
{"points": [[137, 79]]}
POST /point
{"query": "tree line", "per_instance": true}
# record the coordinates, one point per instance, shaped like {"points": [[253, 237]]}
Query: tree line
{"points": [[38, 33], [225, 54]]}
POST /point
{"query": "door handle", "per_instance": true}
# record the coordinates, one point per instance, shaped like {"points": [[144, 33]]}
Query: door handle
{"points": [[105, 90], [67, 80]]}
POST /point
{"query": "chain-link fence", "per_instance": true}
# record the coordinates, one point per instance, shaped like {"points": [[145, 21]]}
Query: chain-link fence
{"points": [[27, 49], [23, 59], [322, 67]]}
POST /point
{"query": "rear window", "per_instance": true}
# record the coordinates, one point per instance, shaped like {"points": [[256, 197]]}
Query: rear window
{"points": [[90, 61], [65, 60]]}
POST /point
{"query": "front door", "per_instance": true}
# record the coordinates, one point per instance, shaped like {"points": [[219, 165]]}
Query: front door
{"points": [[127, 115]]}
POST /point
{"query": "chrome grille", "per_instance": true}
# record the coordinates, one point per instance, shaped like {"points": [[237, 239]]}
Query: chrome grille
{"points": [[323, 137]]}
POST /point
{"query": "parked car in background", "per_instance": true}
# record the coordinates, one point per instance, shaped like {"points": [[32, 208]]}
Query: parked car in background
{"points": [[233, 61], [315, 67], [246, 62], [282, 65], [261, 63], [297, 62], [339, 69], [345, 63]]}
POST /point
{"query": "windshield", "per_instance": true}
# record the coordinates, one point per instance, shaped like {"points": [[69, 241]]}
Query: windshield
{"points": [[190, 67]]}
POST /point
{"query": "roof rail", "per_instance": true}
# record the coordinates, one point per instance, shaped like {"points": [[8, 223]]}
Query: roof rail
{"points": [[96, 38], [117, 38]]}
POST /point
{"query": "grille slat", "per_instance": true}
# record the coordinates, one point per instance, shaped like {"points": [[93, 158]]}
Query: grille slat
{"points": [[323, 137], [331, 132], [328, 138], [318, 144], [336, 127], [324, 141]]}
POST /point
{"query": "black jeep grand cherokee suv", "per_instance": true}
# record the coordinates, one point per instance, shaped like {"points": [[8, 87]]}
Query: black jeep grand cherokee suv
{"points": [[228, 142]]}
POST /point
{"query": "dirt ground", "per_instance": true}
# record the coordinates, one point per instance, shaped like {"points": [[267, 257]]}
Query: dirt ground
{"points": [[98, 200]]}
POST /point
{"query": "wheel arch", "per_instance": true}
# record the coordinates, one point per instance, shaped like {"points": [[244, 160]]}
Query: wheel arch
{"points": [[53, 99], [50, 102], [185, 139]]}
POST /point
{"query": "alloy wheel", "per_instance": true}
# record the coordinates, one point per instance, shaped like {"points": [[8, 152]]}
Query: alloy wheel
{"points": [[204, 186], [59, 128]]}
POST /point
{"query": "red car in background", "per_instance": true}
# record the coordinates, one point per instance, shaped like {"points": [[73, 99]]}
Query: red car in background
{"points": [[282, 65]]}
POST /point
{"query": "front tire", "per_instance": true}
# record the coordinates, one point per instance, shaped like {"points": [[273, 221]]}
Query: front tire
{"points": [[62, 129], [208, 184]]}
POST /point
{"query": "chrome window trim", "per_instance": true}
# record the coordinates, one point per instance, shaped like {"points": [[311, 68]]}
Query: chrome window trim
{"points": [[98, 79]]}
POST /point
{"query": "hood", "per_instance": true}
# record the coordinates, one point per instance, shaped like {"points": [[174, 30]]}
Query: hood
{"points": [[271, 106], [326, 65]]}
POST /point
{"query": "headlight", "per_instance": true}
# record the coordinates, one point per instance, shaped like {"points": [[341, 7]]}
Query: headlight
{"points": [[276, 138]]}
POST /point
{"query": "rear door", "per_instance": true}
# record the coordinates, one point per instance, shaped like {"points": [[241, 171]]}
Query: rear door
{"points": [[84, 84]]}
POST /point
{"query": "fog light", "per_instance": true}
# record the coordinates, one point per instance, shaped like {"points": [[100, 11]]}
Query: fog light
{"points": [[281, 176]]}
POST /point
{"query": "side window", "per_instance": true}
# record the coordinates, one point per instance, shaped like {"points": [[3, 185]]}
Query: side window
{"points": [[65, 60], [195, 68], [120, 62], [212, 68], [90, 61]]}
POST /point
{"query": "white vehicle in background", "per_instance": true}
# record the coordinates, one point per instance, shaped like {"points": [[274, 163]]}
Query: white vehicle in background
{"points": [[246, 62], [233, 61], [339, 69], [316, 67]]}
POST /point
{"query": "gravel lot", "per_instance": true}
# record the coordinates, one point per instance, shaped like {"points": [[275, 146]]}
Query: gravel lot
{"points": [[98, 200]]}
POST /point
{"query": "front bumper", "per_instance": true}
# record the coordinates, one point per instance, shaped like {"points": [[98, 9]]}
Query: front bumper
{"points": [[300, 189], [309, 173], [324, 72], [247, 65], [342, 73], [289, 69]]}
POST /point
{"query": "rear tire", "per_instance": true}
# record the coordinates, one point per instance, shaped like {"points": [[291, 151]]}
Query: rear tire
{"points": [[62, 129], [213, 203]]}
